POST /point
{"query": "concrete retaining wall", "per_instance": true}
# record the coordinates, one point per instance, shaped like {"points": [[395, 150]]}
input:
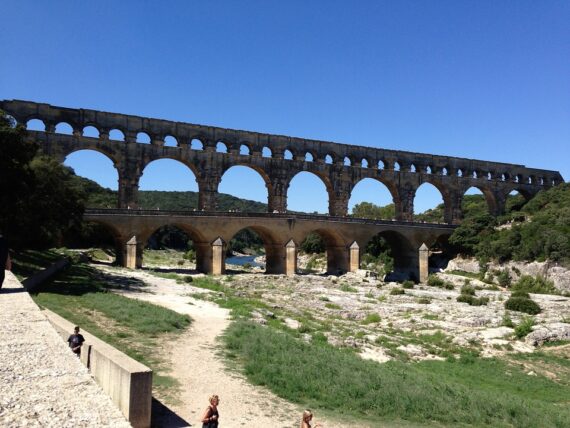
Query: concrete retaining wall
{"points": [[128, 382]]}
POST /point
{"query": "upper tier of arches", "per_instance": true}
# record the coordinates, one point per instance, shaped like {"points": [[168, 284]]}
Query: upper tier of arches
{"points": [[254, 144]]}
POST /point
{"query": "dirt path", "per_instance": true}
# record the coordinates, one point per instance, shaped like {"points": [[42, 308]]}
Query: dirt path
{"points": [[198, 367]]}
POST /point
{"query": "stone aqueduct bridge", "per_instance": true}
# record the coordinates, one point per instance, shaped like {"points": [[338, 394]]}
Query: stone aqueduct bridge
{"points": [[339, 166], [281, 235]]}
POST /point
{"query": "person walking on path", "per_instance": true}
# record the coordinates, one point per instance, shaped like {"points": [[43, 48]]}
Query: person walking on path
{"points": [[306, 421], [5, 261], [76, 342], [211, 416]]}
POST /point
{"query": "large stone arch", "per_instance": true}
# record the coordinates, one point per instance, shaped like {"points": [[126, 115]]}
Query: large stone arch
{"points": [[119, 239], [271, 243], [446, 196], [109, 154], [259, 170], [201, 244], [148, 160], [488, 194], [335, 246], [322, 177], [388, 184], [403, 249]]}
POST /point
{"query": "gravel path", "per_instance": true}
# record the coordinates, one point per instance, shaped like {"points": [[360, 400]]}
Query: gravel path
{"points": [[197, 365], [42, 384]]}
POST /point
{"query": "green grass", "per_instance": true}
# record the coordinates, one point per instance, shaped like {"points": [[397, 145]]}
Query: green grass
{"points": [[474, 391], [167, 275], [332, 306], [371, 319], [347, 288], [466, 274], [134, 327]]}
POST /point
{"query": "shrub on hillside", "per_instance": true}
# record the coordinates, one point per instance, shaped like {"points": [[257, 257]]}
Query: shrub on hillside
{"points": [[472, 300], [524, 328], [519, 293], [468, 290], [504, 278], [434, 281], [522, 304], [397, 291], [408, 284], [537, 285]]}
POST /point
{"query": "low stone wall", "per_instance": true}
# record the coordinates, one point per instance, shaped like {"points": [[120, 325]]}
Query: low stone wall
{"points": [[41, 382], [42, 276], [128, 382]]}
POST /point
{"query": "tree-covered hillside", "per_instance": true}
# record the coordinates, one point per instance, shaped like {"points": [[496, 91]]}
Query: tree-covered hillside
{"points": [[538, 230], [99, 197], [534, 230]]}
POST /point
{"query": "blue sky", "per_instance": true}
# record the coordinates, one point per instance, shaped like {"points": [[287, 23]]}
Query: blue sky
{"points": [[477, 79]]}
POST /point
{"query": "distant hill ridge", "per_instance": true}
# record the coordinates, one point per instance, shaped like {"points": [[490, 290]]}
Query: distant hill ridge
{"points": [[100, 197]]}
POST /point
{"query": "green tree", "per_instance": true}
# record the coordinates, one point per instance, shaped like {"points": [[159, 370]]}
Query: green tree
{"points": [[313, 244], [39, 202], [369, 210]]}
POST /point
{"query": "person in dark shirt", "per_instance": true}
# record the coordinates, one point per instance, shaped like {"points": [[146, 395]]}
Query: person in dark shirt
{"points": [[211, 415], [5, 262], [76, 341]]}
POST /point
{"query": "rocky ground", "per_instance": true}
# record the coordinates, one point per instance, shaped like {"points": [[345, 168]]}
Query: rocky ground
{"points": [[362, 311], [423, 323]]}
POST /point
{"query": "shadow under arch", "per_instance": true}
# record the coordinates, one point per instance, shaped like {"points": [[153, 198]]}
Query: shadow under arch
{"points": [[322, 178], [336, 249], [200, 245], [401, 249], [113, 231]]}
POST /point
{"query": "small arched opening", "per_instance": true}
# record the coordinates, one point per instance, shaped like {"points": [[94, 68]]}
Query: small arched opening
{"points": [[221, 147], [143, 138], [266, 152], [64, 128], [244, 150], [170, 141], [35, 125], [91, 131], [196, 144], [116, 135]]}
